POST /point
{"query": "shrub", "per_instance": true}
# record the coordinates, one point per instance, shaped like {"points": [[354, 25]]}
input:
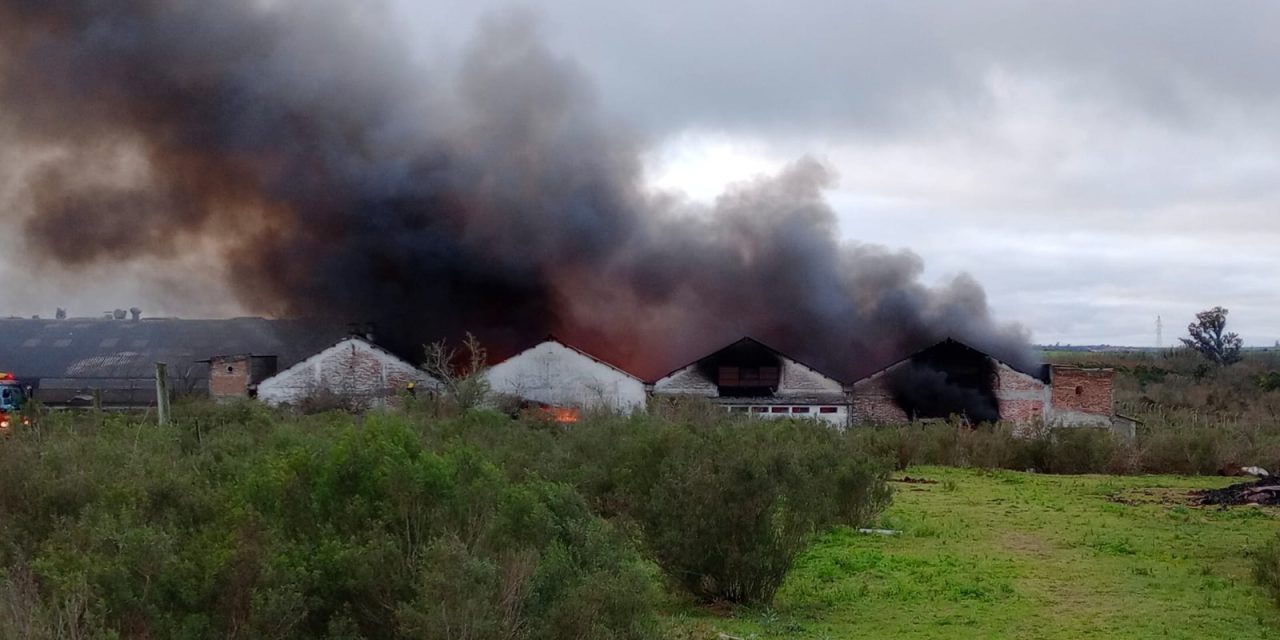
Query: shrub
{"points": [[239, 523], [729, 507], [1080, 450]]}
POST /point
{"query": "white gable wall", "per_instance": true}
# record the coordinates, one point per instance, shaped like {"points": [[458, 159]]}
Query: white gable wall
{"points": [[799, 380], [554, 374], [353, 368], [688, 381]]}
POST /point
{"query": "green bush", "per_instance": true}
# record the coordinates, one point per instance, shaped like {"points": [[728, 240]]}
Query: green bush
{"points": [[731, 504], [1080, 450], [239, 523]]}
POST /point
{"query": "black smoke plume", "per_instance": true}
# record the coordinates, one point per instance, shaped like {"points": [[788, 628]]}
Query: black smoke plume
{"points": [[329, 176]]}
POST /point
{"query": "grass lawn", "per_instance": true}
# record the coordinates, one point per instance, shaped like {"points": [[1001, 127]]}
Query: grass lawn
{"points": [[1015, 555]]}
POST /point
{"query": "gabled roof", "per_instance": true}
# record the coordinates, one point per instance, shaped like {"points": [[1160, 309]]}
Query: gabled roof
{"points": [[747, 340], [1041, 376], [554, 339], [310, 360]]}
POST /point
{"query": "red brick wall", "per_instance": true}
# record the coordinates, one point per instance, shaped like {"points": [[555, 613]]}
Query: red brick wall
{"points": [[1082, 390], [229, 378], [1021, 411], [873, 404], [1021, 397]]}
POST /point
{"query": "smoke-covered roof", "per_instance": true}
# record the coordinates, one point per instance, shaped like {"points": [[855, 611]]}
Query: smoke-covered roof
{"points": [[82, 348]]}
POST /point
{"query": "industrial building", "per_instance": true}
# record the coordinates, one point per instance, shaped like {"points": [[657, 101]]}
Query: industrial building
{"points": [[750, 377], [554, 374], [112, 360]]}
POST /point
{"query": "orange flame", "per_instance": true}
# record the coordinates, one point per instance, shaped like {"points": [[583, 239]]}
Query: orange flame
{"points": [[563, 415]]}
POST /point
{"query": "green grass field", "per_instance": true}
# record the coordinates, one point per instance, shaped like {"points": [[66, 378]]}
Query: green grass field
{"points": [[1014, 555]]}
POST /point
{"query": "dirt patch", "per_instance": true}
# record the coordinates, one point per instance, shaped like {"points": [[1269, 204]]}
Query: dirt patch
{"points": [[1026, 543], [910, 480]]}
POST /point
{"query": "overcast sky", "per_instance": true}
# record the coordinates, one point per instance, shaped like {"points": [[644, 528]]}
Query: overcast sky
{"points": [[1093, 164]]}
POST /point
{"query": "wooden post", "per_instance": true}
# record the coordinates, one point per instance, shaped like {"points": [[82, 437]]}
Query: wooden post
{"points": [[97, 399], [162, 393]]}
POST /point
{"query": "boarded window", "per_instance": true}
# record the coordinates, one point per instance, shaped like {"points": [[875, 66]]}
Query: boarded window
{"points": [[759, 409], [749, 376]]}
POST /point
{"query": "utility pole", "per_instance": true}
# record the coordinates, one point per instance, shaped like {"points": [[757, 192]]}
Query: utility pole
{"points": [[162, 393], [1159, 333]]}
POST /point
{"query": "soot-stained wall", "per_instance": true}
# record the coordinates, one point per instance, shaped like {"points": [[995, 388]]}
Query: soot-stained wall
{"points": [[1072, 397]]}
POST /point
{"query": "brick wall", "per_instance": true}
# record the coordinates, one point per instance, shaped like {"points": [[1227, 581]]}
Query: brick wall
{"points": [[1082, 391], [1021, 397], [229, 377], [352, 368], [873, 404]]}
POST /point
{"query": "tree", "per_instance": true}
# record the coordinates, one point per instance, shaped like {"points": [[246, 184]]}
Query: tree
{"points": [[1208, 339], [461, 375]]}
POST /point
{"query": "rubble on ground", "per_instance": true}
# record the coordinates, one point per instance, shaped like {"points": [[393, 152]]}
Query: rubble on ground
{"points": [[1265, 490]]}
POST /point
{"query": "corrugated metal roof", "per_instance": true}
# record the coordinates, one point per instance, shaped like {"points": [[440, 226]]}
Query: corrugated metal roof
{"points": [[116, 349]]}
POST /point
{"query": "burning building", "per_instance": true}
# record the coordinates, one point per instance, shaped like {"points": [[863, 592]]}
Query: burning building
{"points": [[953, 379], [557, 376], [750, 377]]}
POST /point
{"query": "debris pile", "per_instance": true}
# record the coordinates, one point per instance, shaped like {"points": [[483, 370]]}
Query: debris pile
{"points": [[1265, 490]]}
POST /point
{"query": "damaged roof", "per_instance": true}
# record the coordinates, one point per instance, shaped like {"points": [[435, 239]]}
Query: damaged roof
{"points": [[121, 349], [1040, 373]]}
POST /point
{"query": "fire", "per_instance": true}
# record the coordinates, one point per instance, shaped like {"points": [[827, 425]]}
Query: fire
{"points": [[563, 415]]}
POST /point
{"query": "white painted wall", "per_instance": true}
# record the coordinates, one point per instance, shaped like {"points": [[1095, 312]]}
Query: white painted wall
{"points": [[839, 417], [554, 374], [799, 380], [352, 368], [687, 381]]}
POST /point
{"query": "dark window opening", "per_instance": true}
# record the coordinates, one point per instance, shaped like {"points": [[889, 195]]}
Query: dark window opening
{"points": [[738, 409], [1079, 391], [745, 369], [759, 409], [799, 409], [829, 410], [749, 376], [779, 410]]}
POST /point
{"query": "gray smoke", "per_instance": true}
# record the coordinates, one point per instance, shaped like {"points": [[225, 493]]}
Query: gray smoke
{"points": [[327, 175]]}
